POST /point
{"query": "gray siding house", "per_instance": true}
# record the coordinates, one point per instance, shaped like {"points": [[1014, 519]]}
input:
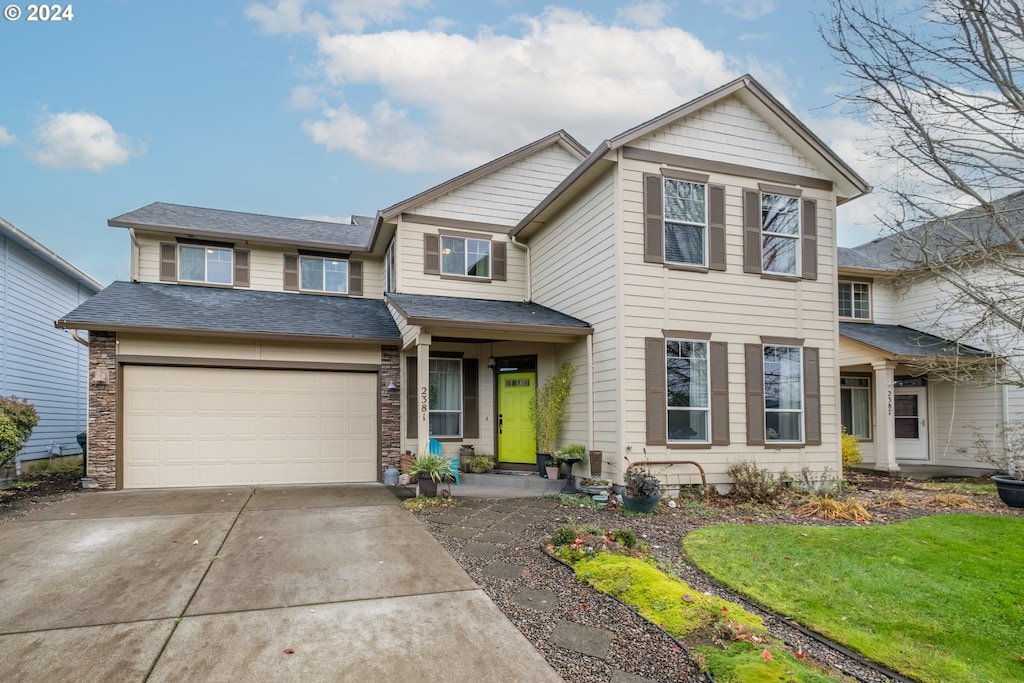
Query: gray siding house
{"points": [[38, 362]]}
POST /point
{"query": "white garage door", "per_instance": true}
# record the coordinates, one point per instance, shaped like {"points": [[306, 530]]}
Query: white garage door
{"points": [[188, 426]]}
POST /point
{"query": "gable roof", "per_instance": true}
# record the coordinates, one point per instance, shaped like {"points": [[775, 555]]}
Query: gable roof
{"points": [[232, 225], [558, 137], [9, 231], [185, 309], [848, 183], [945, 238], [898, 340], [450, 311]]}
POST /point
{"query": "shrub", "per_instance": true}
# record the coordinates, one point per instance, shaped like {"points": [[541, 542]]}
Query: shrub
{"points": [[625, 537], [547, 408], [640, 483], [17, 420], [851, 451], [751, 484], [480, 462], [827, 507]]}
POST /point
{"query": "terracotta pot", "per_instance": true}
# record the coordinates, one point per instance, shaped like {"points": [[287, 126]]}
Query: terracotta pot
{"points": [[552, 472]]}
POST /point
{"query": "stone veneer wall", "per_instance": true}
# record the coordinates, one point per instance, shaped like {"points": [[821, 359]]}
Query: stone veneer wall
{"points": [[102, 428], [390, 407]]}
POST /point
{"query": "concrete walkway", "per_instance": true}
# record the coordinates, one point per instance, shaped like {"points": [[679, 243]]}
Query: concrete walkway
{"points": [[318, 583]]}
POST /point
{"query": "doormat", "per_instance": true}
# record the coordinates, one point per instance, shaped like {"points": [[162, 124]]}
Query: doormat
{"points": [[517, 473]]}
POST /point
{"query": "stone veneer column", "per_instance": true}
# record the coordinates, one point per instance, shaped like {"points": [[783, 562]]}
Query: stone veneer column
{"points": [[390, 406], [102, 429]]}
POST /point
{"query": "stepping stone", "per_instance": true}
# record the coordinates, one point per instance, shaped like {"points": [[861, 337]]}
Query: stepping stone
{"points": [[619, 676], [480, 549], [534, 512], [495, 537], [492, 516], [477, 523], [474, 505], [460, 532], [506, 509], [539, 600], [583, 639], [503, 570], [445, 519], [510, 527]]}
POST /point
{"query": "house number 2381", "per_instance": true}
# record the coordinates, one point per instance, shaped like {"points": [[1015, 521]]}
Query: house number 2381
{"points": [[424, 408]]}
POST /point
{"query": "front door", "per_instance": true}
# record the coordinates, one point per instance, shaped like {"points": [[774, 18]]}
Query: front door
{"points": [[910, 424], [515, 431]]}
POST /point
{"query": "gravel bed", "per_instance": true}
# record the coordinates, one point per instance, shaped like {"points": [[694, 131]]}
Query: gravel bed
{"points": [[640, 648]]}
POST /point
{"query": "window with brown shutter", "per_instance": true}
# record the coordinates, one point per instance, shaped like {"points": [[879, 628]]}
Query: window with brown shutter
{"points": [[657, 426], [812, 397], [719, 371], [751, 231], [470, 398], [687, 391], [355, 278], [168, 262], [716, 227], [291, 272], [753, 355], [432, 254], [654, 219], [241, 268], [809, 234]]}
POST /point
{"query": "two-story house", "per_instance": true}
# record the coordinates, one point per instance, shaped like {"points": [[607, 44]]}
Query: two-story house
{"points": [[686, 267]]}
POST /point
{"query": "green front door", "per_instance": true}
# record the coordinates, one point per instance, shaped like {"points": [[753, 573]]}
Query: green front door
{"points": [[515, 432]]}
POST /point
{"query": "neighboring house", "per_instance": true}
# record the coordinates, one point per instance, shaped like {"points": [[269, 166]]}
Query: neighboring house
{"points": [[39, 363], [686, 267], [906, 338]]}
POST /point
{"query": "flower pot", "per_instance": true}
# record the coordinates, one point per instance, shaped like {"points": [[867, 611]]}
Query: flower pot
{"points": [[640, 504], [542, 463], [427, 486], [1011, 491], [595, 489], [551, 472]]}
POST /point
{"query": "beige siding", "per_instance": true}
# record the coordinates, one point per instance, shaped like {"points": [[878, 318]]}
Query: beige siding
{"points": [[883, 303], [575, 271], [853, 353], [507, 194], [730, 132], [244, 349], [414, 281], [266, 266], [736, 308], [955, 413]]}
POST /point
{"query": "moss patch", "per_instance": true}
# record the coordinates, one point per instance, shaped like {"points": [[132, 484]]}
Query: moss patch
{"points": [[743, 662]]}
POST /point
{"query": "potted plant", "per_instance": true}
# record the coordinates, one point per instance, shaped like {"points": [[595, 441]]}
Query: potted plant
{"points": [[429, 469], [1005, 452], [595, 486], [547, 411], [480, 464], [17, 420], [643, 490], [553, 463]]}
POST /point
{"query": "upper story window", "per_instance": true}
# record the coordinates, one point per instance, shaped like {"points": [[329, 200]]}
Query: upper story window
{"points": [[464, 256], [687, 390], [783, 394], [855, 300], [780, 234], [686, 220], [205, 264], [323, 274]]}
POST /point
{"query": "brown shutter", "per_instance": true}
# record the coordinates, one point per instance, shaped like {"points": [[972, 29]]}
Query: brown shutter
{"points": [[654, 221], [432, 254], [754, 367], [411, 413], [716, 227], [719, 362], [657, 427], [498, 267], [355, 278], [168, 263], [470, 398], [812, 397], [751, 231], [241, 267], [809, 247], [291, 273]]}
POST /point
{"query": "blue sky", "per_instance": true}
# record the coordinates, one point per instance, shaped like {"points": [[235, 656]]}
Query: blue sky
{"points": [[324, 109]]}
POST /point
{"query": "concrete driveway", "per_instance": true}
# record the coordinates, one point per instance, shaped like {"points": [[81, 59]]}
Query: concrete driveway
{"points": [[223, 584]]}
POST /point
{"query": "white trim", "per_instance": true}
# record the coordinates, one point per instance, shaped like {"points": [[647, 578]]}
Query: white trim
{"points": [[707, 376], [803, 408], [665, 221]]}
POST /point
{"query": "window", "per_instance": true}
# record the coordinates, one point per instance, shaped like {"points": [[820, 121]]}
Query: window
{"points": [[686, 372], [685, 222], [783, 394], [855, 406], [445, 397], [464, 256], [205, 264], [855, 300], [780, 234], [323, 274]]}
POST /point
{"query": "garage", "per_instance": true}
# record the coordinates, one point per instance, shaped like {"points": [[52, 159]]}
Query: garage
{"points": [[203, 426]]}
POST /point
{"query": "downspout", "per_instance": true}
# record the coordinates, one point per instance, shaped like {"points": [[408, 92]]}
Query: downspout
{"points": [[590, 392], [529, 268], [83, 342]]}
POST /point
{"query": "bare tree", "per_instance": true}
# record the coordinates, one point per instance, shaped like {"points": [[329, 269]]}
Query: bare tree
{"points": [[942, 82]]}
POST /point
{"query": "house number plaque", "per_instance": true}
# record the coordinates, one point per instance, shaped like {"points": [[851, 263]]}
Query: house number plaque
{"points": [[424, 407]]}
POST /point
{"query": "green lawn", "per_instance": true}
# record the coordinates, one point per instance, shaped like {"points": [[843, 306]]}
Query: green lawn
{"points": [[937, 598]]}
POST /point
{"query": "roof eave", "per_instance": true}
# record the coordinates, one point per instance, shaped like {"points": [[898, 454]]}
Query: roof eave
{"points": [[234, 236], [66, 324], [446, 323], [31, 245]]}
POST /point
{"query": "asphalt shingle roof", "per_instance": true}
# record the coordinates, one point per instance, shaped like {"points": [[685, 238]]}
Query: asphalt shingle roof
{"points": [[450, 309], [150, 305], [904, 341], [250, 226]]}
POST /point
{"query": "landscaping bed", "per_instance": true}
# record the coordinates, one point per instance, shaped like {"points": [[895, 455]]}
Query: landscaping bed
{"points": [[35, 490]]}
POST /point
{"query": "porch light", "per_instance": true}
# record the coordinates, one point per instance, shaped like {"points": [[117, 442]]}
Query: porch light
{"points": [[491, 363], [392, 386]]}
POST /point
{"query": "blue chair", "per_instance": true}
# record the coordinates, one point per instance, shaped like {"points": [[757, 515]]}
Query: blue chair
{"points": [[435, 449]]}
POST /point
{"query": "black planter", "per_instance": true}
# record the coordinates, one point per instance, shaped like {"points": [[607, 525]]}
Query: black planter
{"points": [[428, 487], [1011, 491], [542, 462], [641, 504]]}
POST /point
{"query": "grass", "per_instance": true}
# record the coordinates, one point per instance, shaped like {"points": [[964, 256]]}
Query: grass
{"points": [[936, 598]]}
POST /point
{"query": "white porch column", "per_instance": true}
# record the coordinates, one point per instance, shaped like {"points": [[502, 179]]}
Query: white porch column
{"points": [[422, 416], [885, 426]]}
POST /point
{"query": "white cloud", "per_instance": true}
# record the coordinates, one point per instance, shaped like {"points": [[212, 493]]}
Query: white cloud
{"points": [[645, 13], [80, 140], [451, 101], [744, 9], [6, 138], [292, 16]]}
